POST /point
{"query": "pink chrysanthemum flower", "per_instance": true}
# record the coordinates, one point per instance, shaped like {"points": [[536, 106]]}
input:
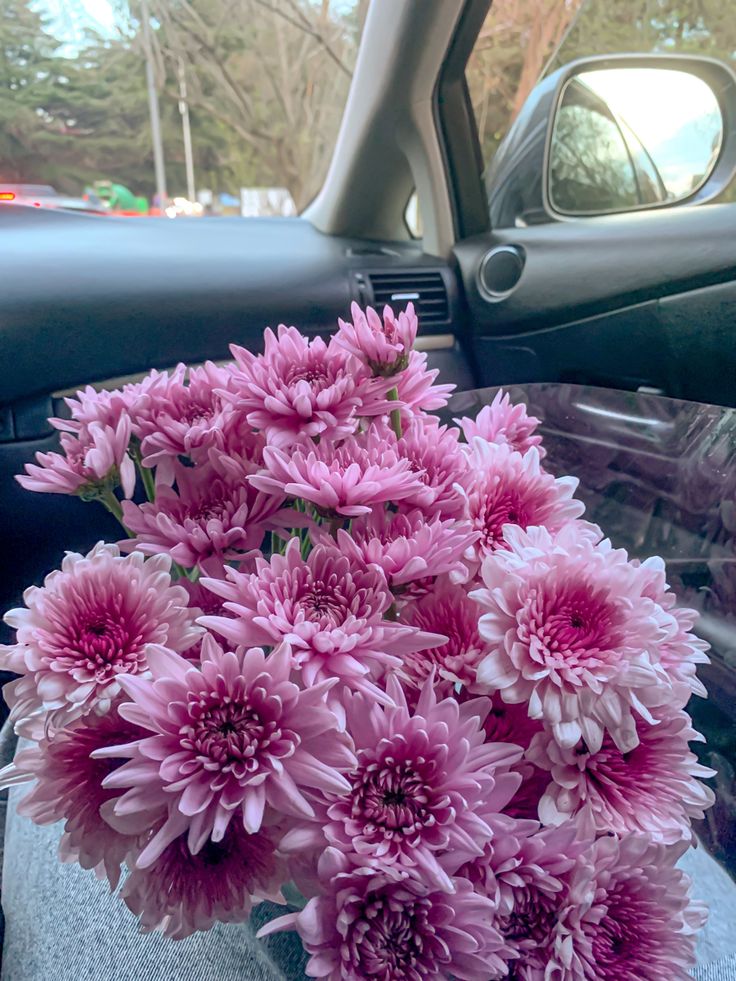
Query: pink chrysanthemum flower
{"points": [[571, 633], [507, 723], [503, 422], [628, 916], [446, 609], [416, 388], [384, 344], [407, 547], [91, 623], [348, 478], [213, 516], [103, 407], [505, 488], [331, 614], [524, 870], [524, 805], [681, 651], [299, 387], [94, 458], [69, 788], [438, 459], [203, 602], [181, 413], [385, 922], [654, 789], [225, 739], [182, 893], [422, 778]]}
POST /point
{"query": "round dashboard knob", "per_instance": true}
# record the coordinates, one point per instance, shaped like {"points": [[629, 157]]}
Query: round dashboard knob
{"points": [[500, 271]]}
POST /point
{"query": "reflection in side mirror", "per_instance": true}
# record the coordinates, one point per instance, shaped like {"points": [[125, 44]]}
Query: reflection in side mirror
{"points": [[628, 138]]}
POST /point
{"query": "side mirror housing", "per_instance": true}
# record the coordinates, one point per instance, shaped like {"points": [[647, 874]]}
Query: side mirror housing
{"points": [[614, 134]]}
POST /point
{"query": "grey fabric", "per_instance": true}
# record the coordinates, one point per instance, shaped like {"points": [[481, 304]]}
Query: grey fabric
{"points": [[62, 924], [722, 970], [8, 743], [715, 887], [716, 947]]}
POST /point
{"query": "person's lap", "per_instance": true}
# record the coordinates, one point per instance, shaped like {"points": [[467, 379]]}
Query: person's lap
{"points": [[62, 924]]}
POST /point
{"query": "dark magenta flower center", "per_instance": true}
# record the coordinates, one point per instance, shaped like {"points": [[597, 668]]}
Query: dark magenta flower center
{"points": [[572, 624], [105, 643], [206, 510], [235, 733], [224, 872], [216, 503], [622, 941], [321, 604], [505, 508], [316, 375], [532, 919], [396, 939], [102, 639], [391, 796], [196, 411]]}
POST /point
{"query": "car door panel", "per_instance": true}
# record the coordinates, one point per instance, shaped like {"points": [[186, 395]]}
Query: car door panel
{"points": [[625, 301]]}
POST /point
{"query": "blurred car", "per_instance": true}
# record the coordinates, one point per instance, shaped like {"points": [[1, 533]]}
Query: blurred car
{"points": [[44, 196]]}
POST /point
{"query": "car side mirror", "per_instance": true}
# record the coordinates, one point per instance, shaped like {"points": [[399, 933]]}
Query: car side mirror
{"points": [[613, 134]]}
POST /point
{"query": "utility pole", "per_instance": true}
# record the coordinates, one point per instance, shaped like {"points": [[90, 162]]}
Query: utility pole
{"points": [[158, 147], [186, 131]]}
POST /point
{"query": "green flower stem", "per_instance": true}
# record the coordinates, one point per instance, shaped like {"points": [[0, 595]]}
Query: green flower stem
{"points": [[149, 484], [278, 545], [393, 396], [108, 499]]}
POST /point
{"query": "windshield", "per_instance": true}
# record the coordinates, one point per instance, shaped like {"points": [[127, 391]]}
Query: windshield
{"points": [[174, 107]]}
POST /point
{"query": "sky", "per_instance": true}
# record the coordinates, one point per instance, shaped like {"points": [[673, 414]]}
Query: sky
{"points": [[69, 18], [674, 114], [655, 102]]}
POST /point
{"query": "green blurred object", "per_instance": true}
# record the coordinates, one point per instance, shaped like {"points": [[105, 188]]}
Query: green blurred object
{"points": [[117, 197]]}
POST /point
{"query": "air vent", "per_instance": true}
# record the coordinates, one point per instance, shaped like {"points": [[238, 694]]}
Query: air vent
{"points": [[425, 289]]}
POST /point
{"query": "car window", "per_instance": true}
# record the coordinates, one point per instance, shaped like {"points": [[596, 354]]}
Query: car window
{"points": [[522, 41], [250, 98]]}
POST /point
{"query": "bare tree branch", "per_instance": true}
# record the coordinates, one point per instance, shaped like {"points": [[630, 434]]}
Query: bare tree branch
{"points": [[302, 24]]}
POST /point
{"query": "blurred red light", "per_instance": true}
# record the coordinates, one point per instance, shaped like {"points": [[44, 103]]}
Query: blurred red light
{"points": [[7, 196]]}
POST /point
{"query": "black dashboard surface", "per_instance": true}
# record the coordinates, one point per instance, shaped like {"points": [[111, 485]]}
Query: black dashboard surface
{"points": [[87, 297]]}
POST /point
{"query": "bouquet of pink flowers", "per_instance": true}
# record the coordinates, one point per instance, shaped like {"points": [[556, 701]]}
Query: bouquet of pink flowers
{"points": [[351, 656]]}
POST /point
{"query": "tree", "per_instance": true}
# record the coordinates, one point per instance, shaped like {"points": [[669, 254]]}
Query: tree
{"points": [[273, 74], [268, 80], [515, 44], [29, 73], [68, 120], [705, 27], [523, 40]]}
